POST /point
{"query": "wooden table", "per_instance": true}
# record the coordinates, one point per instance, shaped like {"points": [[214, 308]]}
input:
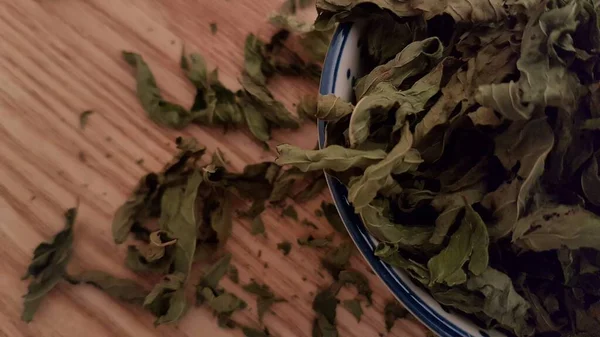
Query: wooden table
{"points": [[61, 57]]}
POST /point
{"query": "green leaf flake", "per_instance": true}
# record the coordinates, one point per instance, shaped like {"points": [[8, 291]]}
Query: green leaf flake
{"points": [[333, 217], [314, 242], [353, 306], [325, 304], [338, 259], [359, 280], [392, 312], [285, 247], [250, 332], [290, 212], [265, 297], [233, 274], [83, 118], [257, 226]]}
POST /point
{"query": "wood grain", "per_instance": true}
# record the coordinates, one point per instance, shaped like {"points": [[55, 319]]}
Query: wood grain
{"points": [[61, 57]]}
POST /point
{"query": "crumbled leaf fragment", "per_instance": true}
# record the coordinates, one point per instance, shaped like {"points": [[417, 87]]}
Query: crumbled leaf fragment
{"points": [[353, 306], [285, 247], [392, 312], [290, 212], [83, 118], [257, 226]]}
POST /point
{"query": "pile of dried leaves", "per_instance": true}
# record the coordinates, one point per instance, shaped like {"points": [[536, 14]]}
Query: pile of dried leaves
{"points": [[181, 217], [472, 154]]}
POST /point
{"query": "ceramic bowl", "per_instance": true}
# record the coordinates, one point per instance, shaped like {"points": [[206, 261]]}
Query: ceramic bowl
{"points": [[341, 69]]}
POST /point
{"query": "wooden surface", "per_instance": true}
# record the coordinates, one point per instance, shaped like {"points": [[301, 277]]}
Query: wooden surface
{"points": [[61, 57]]}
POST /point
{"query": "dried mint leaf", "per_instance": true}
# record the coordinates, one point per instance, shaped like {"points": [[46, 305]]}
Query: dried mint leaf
{"points": [[119, 288], [212, 276], [167, 299], [555, 226], [336, 158], [48, 266], [159, 110], [502, 302]]}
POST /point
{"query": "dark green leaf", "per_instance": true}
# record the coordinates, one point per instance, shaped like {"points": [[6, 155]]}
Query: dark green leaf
{"points": [[290, 212], [48, 266], [134, 209], [178, 218], [309, 224], [314, 242], [338, 259], [393, 311], [83, 118], [333, 217], [272, 110], [323, 328], [213, 275], [265, 297], [353, 306], [233, 274], [285, 247], [359, 280], [325, 304], [257, 226], [250, 332]]}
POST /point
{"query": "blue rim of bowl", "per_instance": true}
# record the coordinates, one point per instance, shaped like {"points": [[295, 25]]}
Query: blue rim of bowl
{"points": [[354, 224]]}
